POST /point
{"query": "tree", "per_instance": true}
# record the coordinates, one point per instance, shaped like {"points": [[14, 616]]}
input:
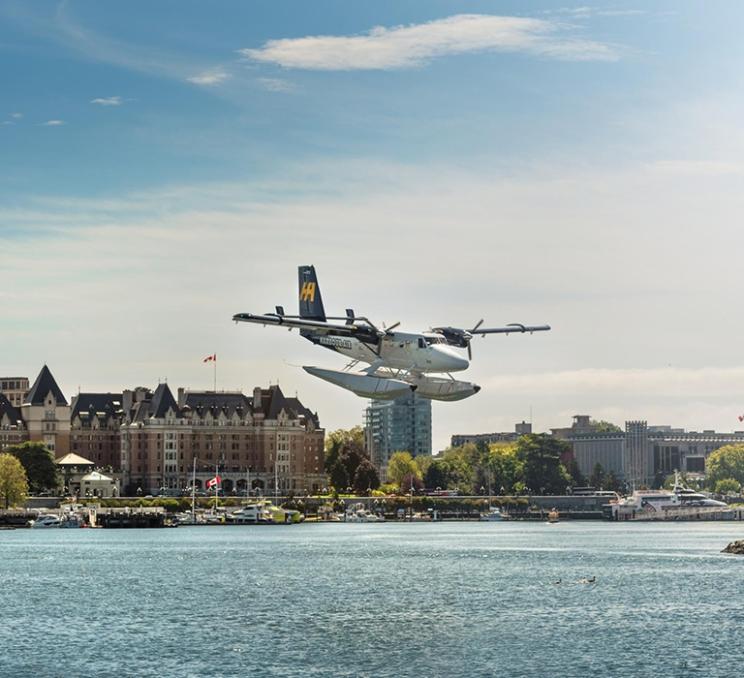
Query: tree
{"points": [[366, 477], [577, 477], [38, 462], [436, 474], [596, 480], [543, 471], [725, 462], [602, 426], [401, 465], [13, 482], [727, 486], [339, 476], [339, 440]]}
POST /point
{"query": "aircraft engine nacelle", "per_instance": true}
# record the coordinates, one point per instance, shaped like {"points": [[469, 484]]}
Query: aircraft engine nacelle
{"points": [[439, 388]]}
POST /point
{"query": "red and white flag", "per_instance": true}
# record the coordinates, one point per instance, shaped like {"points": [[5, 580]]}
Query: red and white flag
{"points": [[210, 358], [213, 482], [741, 417]]}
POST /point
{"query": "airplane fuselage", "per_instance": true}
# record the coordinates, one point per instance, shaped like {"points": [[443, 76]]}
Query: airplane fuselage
{"points": [[398, 350]]}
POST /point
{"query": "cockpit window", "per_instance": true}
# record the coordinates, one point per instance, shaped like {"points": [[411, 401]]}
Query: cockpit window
{"points": [[434, 340], [421, 343]]}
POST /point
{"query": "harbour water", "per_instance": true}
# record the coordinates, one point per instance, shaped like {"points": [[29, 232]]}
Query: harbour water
{"points": [[442, 599]]}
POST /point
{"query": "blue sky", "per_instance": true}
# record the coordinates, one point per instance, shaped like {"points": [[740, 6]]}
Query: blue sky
{"points": [[168, 164]]}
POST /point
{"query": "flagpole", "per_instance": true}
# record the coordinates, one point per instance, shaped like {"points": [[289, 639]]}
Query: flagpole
{"points": [[215, 372], [216, 485]]}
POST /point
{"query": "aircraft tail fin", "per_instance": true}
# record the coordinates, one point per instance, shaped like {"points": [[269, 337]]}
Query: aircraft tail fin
{"points": [[311, 303]]}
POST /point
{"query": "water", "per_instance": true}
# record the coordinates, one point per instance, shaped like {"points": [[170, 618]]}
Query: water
{"points": [[446, 599]]}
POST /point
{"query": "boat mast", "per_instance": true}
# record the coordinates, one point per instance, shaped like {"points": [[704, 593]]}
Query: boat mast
{"points": [[193, 494]]}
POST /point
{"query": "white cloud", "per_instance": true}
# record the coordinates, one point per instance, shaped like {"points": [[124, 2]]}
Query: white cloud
{"points": [[416, 44], [276, 85], [17, 116], [634, 269], [209, 78], [53, 123], [108, 101]]}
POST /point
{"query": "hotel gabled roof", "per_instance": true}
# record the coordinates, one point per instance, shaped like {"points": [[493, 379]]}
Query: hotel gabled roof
{"points": [[44, 383]]}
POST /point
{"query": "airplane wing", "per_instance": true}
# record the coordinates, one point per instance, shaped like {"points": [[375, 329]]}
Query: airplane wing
{"points": [[456, 336], [320, 326]]}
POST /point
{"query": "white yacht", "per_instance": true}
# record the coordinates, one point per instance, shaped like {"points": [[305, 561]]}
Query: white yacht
{"points": [[46, 520], [492, 515], [664, 501], [358, 513]]}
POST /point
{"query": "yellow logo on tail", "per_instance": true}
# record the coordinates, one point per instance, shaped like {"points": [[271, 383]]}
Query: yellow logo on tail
{"points": [[307, 293]]}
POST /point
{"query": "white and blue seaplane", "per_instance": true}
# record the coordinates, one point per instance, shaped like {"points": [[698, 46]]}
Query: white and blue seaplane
{"points": [[398, 362]]}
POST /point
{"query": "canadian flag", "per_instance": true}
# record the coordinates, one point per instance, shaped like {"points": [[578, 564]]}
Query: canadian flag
{"points": [[210, 358], [213, 482], [741, 417]]}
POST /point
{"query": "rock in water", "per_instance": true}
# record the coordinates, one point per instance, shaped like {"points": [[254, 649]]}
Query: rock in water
{"points": [[735, 547]]}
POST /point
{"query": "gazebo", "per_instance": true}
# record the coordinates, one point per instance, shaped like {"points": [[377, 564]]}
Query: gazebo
{"points": [[73, 467], [95, 484]]}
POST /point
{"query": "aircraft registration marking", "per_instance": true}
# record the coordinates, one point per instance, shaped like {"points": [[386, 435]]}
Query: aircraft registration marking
{"points": [[336, 342]]}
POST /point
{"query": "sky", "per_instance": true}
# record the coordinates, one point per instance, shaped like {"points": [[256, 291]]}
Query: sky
{"points": [[167, 165]]}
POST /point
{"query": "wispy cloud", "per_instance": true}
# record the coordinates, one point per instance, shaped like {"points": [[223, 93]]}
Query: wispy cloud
{"points": [[586, 11], [276, 85], [17, 116], [414, 45], [209, 78], [108, 101], [53, 123]]}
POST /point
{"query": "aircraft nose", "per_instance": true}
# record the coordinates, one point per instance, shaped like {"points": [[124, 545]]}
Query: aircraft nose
{"points": [[456, 362]]}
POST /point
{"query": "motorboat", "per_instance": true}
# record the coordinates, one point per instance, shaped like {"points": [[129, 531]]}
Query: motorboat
{"points": [[46, 520], [492, 515], [664, 503], [358, 513]]}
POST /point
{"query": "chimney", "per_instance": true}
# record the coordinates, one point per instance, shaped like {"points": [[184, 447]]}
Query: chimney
{"points": [[181, 396], [256, 398]]}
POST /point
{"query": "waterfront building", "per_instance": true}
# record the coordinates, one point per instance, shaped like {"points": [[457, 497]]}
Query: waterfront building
{"points": [[46, 414], [14, 389], [460, 439], [12, 429], [95, 423], [642, 454], [268, 440], [402, 424]]}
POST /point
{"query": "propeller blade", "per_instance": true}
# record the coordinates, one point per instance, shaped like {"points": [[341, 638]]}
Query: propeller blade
{"points": [[392, 327], [477, 325], [470, 352]]}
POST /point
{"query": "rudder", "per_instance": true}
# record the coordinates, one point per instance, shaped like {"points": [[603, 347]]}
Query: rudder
{"points": [[311, 303]]}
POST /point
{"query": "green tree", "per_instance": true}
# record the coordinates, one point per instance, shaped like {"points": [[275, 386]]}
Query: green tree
{"points": [[725, 462], [339, 477], [577, 477], [342, 439], [366, 477], [543, 471], [401, 465], [596, 480], [612, 483], [38, 462], [436, 474], [505, 467], [602, 426], [727, 486], [13, 481]]}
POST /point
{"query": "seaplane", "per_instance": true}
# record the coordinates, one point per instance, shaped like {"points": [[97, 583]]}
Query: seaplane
{"points": [[397, 362]]}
